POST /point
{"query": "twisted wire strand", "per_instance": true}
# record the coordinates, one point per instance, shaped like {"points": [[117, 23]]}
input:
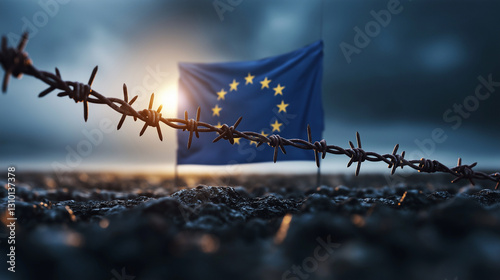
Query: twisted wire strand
{"points": [[16, 62]]}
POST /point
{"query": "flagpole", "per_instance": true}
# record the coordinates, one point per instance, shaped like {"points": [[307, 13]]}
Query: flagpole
{"points": [[322, 5]]}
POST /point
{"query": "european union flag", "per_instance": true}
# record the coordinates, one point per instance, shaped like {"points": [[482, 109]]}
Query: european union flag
{"points": [[276, 95]]}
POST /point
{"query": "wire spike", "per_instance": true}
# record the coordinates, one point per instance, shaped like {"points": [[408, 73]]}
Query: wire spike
{"points": [[190, 139], [275, 156], [125, 93], [47, 91], [351, 144], [159, 132], [309, 138], [350, 161], [120, 123], [125, 98], [133, 100], [23, 42], [85, 111], [237, 122], [143, 129], [198, 112], [151, 100], [282, 148], [92, 76], [395, 149], [358, 139]]}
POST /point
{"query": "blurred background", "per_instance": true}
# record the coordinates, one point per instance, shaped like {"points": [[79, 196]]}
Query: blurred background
{"points": [[424, 77]]}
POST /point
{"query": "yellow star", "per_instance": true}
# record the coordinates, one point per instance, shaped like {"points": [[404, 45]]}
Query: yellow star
{"points": [[216, 110], [237, 140], [282, 106], [278, 90], [276, 126], [265, 83], [221, 94], [218, 124], [261, 133], [249, 79], [233, 85]]}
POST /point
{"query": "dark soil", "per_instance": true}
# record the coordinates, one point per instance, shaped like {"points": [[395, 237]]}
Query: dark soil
{"points": [[135, 229]]}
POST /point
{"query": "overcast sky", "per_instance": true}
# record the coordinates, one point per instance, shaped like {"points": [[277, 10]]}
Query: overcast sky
{"points": [[397, 72]]}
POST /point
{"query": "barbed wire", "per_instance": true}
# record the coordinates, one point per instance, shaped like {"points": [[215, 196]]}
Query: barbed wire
{"points": [[16, 62]]}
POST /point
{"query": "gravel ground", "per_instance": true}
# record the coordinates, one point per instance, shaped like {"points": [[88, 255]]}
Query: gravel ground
{"points": [[97, 227]]}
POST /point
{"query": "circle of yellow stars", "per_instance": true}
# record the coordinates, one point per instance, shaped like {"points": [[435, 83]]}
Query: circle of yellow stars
{"points": [[233, 86]]}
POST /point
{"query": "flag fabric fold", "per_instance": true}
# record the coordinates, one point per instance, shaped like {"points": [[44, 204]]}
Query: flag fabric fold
{"points": [[276, 95]]}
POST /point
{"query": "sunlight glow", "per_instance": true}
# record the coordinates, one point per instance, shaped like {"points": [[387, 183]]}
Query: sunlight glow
{"points": [[167, 95]]}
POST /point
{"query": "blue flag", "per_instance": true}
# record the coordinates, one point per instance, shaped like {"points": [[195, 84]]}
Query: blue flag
{"points": [[276, 95]]}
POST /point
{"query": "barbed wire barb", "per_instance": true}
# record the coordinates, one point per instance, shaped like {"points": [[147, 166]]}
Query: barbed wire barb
{"points": [[16, 62], [125, 98]]}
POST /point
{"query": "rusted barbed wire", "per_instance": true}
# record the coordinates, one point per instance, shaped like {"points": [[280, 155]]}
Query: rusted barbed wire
{"points": [[16, 62]]}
